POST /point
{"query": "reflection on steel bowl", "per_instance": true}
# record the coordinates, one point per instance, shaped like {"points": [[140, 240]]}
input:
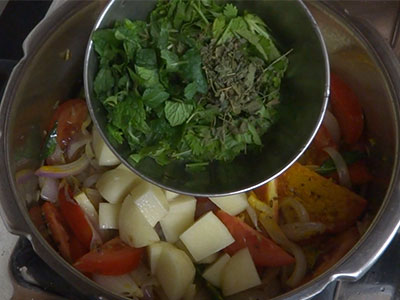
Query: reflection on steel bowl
{"points": [[302, 216]]}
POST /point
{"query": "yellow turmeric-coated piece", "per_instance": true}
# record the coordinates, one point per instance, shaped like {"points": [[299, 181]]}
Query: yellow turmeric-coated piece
{"points": [[327, 202]]}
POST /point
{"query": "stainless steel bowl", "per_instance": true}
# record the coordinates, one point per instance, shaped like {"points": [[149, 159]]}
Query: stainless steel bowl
{"points": [[304, 95], [43, 77]]}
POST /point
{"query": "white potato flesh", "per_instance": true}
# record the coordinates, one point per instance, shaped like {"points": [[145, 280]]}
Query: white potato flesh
{"points": [[239, 273], [206, 236], [109, 215], [175, 272], [133, 226], [213, 273], [151, 201], [104, 156], [190, 292], [87, 207], [115, 184], [179, 218], [170, 195], [233, 205], [154, 252]]}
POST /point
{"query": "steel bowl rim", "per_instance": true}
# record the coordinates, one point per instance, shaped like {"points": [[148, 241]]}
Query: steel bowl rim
{"points": [[90, 51]]}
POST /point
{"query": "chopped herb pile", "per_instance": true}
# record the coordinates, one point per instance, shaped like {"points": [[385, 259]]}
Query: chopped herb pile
{"points": [[197, 82]]}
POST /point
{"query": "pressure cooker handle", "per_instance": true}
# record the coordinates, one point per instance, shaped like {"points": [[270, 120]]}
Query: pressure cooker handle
{"points": [[9, 210]]}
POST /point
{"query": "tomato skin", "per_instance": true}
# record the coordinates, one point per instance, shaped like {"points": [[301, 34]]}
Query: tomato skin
{"points": [[347, 109], [265, 252], [58, 229], [112, 258], [75, 218], [69, 116]]}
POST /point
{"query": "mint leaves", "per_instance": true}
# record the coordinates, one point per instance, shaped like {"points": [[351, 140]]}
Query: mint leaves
{"points": [[192, 83]]}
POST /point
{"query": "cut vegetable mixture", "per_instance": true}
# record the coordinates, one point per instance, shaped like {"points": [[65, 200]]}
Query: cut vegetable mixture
{"points": [[195, 82], [143, 242]]}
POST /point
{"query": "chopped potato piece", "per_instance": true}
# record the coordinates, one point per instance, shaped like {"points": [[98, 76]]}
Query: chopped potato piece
{"points": [[175, 272], [233, 204], [206, 236], [115, 184], [239, 273], [179, 218], [109, 215], [213, 273], [151, 201], [134, 229], [104, 156]]}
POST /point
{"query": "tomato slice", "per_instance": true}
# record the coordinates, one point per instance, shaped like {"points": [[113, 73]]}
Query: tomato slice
{"points": [[58, 229], [75, 218], [265, 252], [69, 116], [347, 109], [113, 258]]}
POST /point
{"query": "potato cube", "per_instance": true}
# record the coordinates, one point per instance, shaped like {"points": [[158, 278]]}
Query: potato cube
{"points": [[213, 273], [115, 184], [175, 272], [179, 217], [233, 204], [151, 201], [109, 215], [239, 273], [206, 236], [134, 229]]}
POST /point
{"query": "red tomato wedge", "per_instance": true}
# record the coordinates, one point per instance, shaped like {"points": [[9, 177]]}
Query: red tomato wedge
{"points": [[113, 258], [347, 109], [69, 116], [75, 218], [58, 229], [263, 251]]}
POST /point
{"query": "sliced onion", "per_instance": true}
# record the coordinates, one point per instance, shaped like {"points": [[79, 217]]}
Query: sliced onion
{"points": [[300, 231], [61, 171], [49, 188], [301, 212], [57, 157], [332, 125], [89, 151], [91, 180], [341, 166], [121, 285], [78, 141], [277, 235], [96, 238], [85, 125], [253, 216]]}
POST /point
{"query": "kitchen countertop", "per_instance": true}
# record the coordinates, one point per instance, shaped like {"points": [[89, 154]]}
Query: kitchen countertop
{"points": [[383, 15]]}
